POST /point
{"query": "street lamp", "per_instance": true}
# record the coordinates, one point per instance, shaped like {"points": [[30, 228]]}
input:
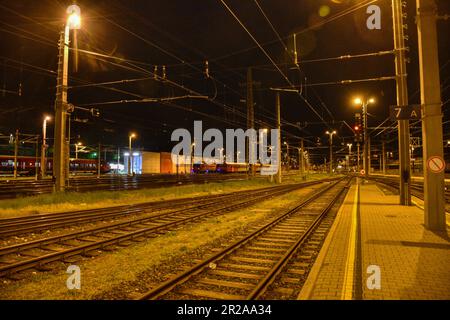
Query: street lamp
{"points": [[192, 156], [365, 103], [220, 155], [130, 137], [44, 146], [60, 173], [349, 145], [287, 154], [77, 145], [331, 148]]}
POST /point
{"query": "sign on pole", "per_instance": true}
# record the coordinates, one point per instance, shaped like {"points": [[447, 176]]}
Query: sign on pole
{"points": [[410, 112], [436, 164]]}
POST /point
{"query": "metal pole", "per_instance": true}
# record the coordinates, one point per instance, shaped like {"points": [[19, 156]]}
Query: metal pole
{"points": [[36, 171], [434, 183], [67, 157], [357, 160], [129, 155], [43, 150], [402, 100], [16, 151], [98, 160], [369, 156], [118, 159], [383, 150], [366, 165], [250, 118], [278, 107], [349, 156], [59, 147], [302, 159], [192, 159], [287, 157], [331, 153]]}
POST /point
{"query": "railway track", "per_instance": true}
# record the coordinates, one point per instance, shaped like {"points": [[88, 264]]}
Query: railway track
{"points": [[45, 222], [39, 253], [20, 188], [269, 262], [416, 188]]}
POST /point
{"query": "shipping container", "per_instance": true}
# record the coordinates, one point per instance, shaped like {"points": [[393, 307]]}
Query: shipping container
{"points": [[151, 162]]}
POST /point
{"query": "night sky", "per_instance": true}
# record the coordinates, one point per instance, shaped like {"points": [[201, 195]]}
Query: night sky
{"points": [[135, 36]]}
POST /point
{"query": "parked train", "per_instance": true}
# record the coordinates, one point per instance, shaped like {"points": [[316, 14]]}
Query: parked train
{"points": [[226, 167], [27, 165]]}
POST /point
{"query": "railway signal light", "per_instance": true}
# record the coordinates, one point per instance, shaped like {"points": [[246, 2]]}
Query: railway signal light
{"points": [[95, 112]]}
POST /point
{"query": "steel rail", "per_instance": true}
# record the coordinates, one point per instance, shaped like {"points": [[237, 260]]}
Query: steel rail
{"points": [[170, 284], [132, 235]]}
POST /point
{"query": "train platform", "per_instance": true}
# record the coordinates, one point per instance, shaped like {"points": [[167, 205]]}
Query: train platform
{"points": [[416, 178], [377, 249]]}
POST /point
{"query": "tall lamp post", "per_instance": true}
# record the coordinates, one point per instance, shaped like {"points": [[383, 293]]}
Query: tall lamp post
{"points": [[349, 145], [331, 133], [77, 146], [44, 146], [365, 103], [61, 106], [287, 155], [130, 137], [192, 157]]}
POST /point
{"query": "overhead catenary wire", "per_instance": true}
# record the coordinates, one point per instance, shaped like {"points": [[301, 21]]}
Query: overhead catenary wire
{"points": [[339, 15], [269, 57]]}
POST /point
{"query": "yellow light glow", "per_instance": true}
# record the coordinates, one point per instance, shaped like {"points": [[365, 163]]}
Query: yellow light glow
{"points": [[74, 21], [133, 135], [47, 118], [324, 11], [357, 101], [371, 100]]}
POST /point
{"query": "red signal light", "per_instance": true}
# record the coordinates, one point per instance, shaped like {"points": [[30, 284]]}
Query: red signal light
{"points": [[356, 128]]}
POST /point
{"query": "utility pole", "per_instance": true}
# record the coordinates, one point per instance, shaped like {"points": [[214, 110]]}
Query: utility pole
{"points": [[330, 134], [383, 151], [36, 172], [366, 142], [250, 119], [44, 147], [431, 115], [98, 160], [302, 159], [16, 151], [402, 100], [288, 159], [277, 102], [369, 157], [357, 158], [331, 154], [118, 159], [59, 148]]}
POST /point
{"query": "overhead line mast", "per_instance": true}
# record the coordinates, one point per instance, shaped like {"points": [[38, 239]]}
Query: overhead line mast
{"points": [[402, 101]]}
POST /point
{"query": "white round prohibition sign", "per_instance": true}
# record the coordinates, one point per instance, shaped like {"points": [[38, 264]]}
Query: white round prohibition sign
{"points": [[436, 164], [363, 171]]}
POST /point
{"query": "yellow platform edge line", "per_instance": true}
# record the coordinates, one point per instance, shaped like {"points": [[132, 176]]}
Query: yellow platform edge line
{"points": [[347, 289], [308, 288]]}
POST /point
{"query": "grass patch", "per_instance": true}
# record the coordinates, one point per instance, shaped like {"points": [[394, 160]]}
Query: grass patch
{"points": [[110, 271], [61, 202]]}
